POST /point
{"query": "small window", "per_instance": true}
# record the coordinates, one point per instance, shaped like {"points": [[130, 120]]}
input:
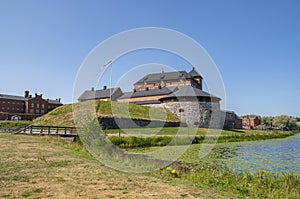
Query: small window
{"points": [[180, 110], [43, 105], [38, 105], [32, 105]]}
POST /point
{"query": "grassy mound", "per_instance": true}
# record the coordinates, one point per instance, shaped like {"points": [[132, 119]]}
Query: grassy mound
{"points": [[63, 115]]}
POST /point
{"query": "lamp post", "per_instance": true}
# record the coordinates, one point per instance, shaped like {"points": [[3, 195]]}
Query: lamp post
{"points": [[110, 78]]}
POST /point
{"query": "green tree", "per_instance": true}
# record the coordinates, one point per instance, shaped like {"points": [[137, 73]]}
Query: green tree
{"points": [[285, 122], [298, 125], [268, 121]]}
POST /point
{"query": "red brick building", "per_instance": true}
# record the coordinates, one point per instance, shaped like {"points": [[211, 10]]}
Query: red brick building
{"points": [[153, 87], [25, 107], [250, 123]]}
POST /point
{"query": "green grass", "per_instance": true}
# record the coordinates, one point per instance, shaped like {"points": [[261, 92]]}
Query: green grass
{"points": [[44, 167], [260, 185], [51, 166], [149, 137], [200, 131], [63, 115], [14, 124]]}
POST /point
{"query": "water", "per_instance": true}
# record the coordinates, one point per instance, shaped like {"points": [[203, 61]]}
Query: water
{"points": [[276, 156]]}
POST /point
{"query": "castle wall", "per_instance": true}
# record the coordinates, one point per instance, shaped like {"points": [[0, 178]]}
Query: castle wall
{"points": [[123, 123], [196, 114]]}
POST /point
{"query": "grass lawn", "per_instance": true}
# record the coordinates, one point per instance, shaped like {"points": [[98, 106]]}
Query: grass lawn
{"points": [[147, 137], [63, 115], [174, 131], [42, 167]]}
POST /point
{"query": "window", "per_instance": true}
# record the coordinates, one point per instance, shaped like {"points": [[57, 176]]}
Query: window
{"points": [[38, 105], [180, 110], [43, 105], [32, 105]]}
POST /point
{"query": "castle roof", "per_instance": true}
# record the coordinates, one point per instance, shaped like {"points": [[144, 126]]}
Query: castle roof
{"points": [[194, 73], [146, 93], [164, 76], [190, 91], [98, 94]]}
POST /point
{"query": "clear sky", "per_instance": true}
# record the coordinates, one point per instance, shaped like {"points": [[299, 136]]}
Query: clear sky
{"points": [[255, 45]]}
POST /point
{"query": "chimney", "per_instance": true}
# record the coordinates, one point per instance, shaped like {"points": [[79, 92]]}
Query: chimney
{"points": [[26, 94], [93, 89], [104, 87], [59, 99], [30, 96], [134, 90], [159, 87]]}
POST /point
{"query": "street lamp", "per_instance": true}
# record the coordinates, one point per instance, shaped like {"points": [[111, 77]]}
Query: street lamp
{"points": [[110, 78]]}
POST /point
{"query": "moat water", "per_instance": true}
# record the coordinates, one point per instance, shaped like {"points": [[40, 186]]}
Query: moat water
{"points": [[276, 155]]}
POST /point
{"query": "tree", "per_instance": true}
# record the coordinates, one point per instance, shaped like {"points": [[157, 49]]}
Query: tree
{"points": [[285, 122], [298, 125], [267, 121]]}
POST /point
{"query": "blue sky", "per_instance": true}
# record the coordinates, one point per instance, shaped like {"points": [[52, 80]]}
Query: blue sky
{"points": [[255, 45]]}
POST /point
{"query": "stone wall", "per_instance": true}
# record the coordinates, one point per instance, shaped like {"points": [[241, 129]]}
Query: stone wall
{"points": [[116, 123], [196, 114]]}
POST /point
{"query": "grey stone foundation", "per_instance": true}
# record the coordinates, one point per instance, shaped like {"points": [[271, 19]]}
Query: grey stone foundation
{"points": [[196, 114]]}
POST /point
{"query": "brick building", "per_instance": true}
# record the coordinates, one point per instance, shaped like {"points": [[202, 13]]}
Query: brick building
{"points": [[250, 123], [25, 107], [178, 79], [152, 87]]}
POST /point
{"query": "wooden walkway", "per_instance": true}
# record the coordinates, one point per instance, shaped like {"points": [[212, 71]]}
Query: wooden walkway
{"points": [[61, 131]]}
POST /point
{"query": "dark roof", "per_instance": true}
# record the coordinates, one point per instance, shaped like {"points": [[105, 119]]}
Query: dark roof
{"points": [[190, 91], [98, 94], [12, 97], [146, 102], [164, 76], [151, 92], [194, 73], [22, 98], [53, 101]]}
